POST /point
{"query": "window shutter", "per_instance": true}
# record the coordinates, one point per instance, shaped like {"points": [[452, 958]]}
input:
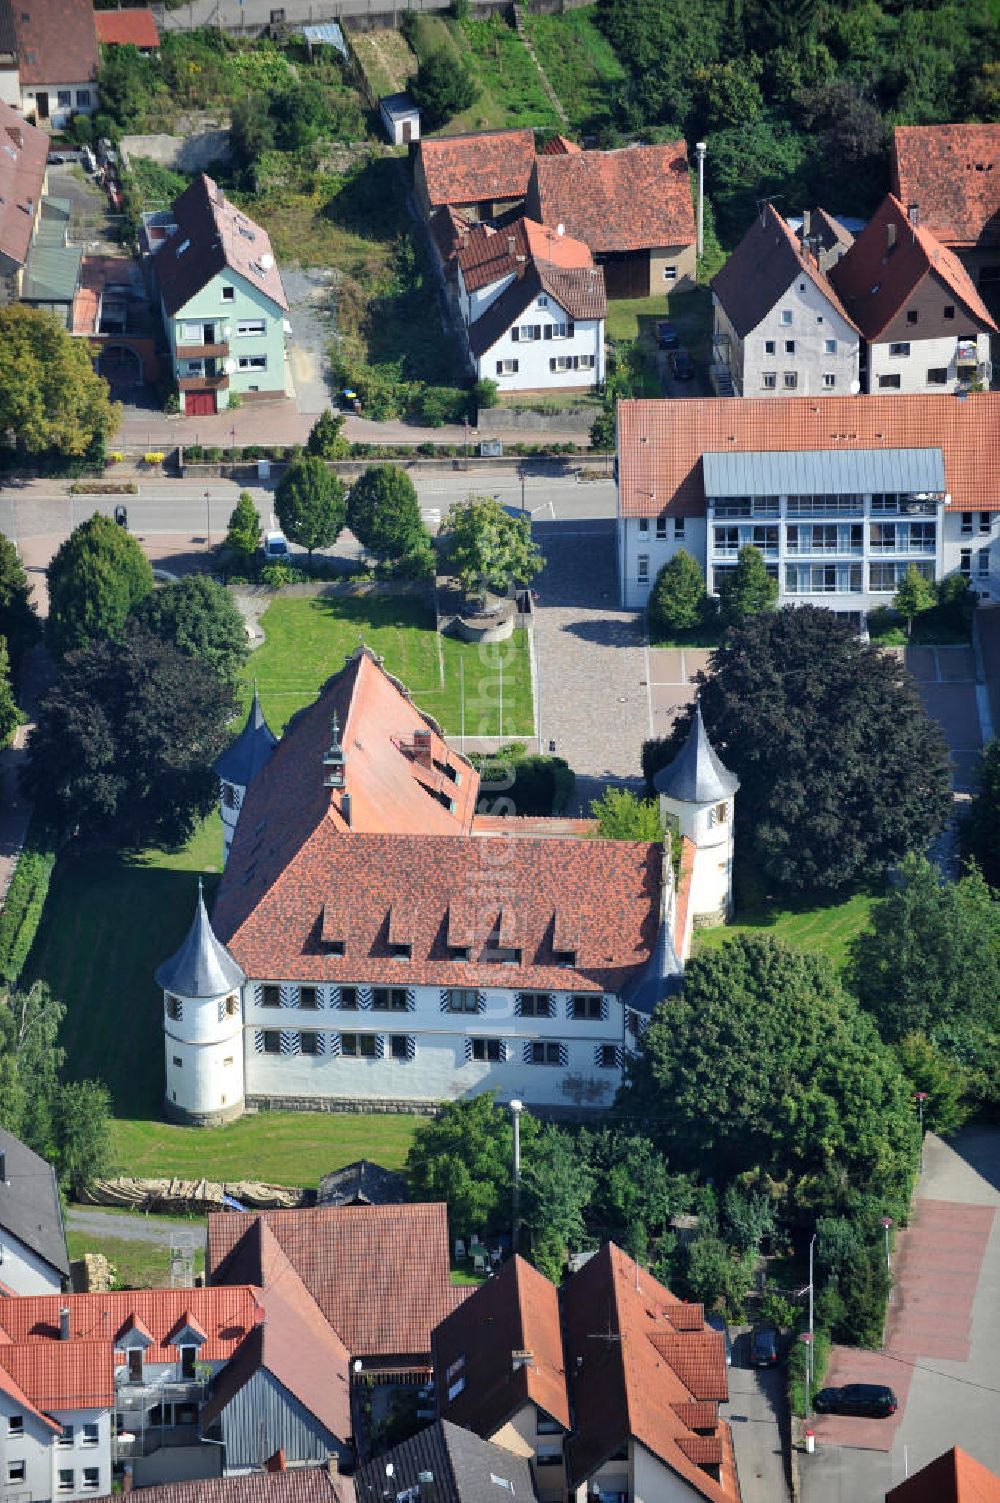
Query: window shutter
{"points": [[576, 362], [552, 364], [538, 331], [548, 331], [468, 1049], [516, 367], [571, 328], [515, 333], [499, 367]]}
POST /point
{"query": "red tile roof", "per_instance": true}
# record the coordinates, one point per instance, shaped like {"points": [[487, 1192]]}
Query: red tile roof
{"points": [[226, 1314], [487, 255], [760, 270], [578, 292], [299, 1484], [952, 172], [380, 1274], [487, 166], [24, 154], [632, 199], [660, 443], [56, 41], [517, 1311], [18, 1397], [954, 1477], [127, 28], [212, 233], [558, 146], [876, 281], [637, 1371], [63, 1374]]}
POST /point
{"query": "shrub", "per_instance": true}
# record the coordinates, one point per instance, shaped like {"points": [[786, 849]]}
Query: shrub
{"points": [[195, 452], [677, 599], [485, 393], [172, 403], [22, 909], [213, 455], [253, 452], [797, 1369], [276, 576], [525, 784]]}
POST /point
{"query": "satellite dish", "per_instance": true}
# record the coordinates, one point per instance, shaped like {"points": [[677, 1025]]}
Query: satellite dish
{"points": [[266, 262], [560, 229], [855, 388]]}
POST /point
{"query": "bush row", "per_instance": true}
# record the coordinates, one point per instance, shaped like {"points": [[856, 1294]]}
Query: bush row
{"points": [[199, 453], [22, 909]]}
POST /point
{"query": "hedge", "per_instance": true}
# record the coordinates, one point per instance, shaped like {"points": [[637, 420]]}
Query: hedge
{"points": [[797, 1369], [22, 909]]}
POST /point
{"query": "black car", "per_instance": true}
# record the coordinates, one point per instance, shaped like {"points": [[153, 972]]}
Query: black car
{"points": [[667, 336], [764, 1347], [682, 365], [869, 1400]]}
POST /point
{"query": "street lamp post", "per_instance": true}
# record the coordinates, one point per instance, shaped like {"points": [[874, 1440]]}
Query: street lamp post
{"points": [[807, 1342], [886, 1224], [520, 476], [921, 1098], [516, 1108], [699, 151], [812, 1244], [208, 519]]}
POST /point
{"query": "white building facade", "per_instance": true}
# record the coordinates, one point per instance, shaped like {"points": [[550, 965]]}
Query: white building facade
{"points": [[948, 362], [803, 346]]}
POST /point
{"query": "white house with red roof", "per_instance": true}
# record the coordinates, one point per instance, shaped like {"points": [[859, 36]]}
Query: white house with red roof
{"points": [[378, 938]]}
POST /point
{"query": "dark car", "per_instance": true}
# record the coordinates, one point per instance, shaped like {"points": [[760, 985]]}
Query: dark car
{"points": [[870, 1400], [682, 365], [667, 336], [764, 1347]]}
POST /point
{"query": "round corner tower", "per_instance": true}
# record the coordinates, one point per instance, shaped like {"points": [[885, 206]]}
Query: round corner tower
{"points": [[700, 792], [238, 765]]}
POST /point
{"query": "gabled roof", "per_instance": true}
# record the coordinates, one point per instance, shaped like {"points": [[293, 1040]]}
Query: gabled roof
{"points": [[213, 234], [558, 146], [362, 1184], [56, 41], [954, 1477], [13, 1391], [638, 1355], [127, 28], [485, 166], [225, 1314], [464, 1468], [952, 174], [62, 1375], [380, 1274], [632, 199], [252, 749], [761, 269], [299, 1484], [30, 1209], [579, 293], [829, 232], [487, 254], [515, 1312], [696, 775], [888, 262], [201, 967], [24, 154], [661, 443]]}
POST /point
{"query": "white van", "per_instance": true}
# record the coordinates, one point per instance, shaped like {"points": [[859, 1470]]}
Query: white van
{"points": [[276, 548]]}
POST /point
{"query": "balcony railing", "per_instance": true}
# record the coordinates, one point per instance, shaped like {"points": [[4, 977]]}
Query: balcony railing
{"points": [[732, 550], [203, 383], [217, 351], [902, 549], [805, 550]]}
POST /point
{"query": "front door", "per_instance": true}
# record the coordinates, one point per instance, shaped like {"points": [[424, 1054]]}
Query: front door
{"points": [[42, 105], [199, 403], [407, 131]]}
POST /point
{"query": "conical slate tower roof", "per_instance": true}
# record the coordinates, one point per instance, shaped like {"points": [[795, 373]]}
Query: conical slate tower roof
{"points": [[202, 966], [252, 750], [696, 775]]}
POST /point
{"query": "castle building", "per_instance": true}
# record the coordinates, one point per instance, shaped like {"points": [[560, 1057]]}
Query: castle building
{"points": [[379, 938]]}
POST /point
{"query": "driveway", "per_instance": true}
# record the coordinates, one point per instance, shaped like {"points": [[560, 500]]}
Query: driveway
{"points": [[311, 315], [756, 1412], [946, 677]]}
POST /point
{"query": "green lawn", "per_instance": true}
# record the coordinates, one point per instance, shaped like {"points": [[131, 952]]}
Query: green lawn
{"points": [[308, 639], [137, 1265], [827, 926], [579, 63], [510, 88]]}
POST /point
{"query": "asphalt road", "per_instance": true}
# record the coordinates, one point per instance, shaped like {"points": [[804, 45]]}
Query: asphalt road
{"points": [[756, 1410], [234, 15], [104, 1225]]}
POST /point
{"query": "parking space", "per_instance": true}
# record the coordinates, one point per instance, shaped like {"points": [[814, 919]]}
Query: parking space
{"points": [[946, 677], [672, 673]]}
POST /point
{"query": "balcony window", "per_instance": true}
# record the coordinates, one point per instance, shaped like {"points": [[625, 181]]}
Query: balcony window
{"points": [[189, 1356], [134, 1360]]}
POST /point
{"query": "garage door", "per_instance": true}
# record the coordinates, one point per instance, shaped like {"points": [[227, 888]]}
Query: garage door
{"points": [[199, 403], [626, 274]]}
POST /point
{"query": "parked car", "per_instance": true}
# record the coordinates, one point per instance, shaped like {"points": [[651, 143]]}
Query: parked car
{"points": [[682, 365], [276, 548], [667, 336], [869, 1400], [718, 1323], [764, 1347]]}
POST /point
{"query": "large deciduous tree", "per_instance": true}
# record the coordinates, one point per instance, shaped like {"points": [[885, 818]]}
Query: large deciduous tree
{"points": [[557, 1187], [766, 1063], [243, 533], [198, 617], [841, 769], [980, 829], [488, 548], [748, 589], [10, 715], [124, 742], [309, 503], [98, 575], [915, 595], [52, 401], [464, 1156], [19, 623], [443, 87], [383, 512], [622, 816]]}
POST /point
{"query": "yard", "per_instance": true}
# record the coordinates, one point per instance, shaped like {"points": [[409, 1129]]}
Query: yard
{"points": [[510, 87], [579, 63], [810, 923], [141, 1264], [386, 59]]}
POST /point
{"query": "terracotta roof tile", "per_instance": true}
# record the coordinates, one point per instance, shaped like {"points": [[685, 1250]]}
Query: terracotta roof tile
{"points": [[300, 1484], [558, 146], [516, 1311], [63, 1374], [484, 166], [698, 1414], [17, 1395], [952, 172], [876, 281], [760, 270], [579, 292], [24, 154], [127, 28], [660, 443], [56, 41], [226, 1314], [212, 233], [380, 1274], [703, 1450], [631, 199], [954, 1477], [487, 254]]}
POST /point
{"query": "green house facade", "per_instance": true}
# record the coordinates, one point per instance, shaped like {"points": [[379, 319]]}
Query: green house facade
{"points": [[224, 308]]}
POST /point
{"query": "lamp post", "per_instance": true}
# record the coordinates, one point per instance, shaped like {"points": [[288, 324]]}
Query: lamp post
{"points": [[809, 1338], [516, 1108], [208, 519], [921, 1098], [699, 151], [886, 1224], [807, 1341], [520, 476]]}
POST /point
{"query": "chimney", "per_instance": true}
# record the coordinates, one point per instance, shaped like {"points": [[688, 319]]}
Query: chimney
{"points": [[428, 1491], [16, 135], [345, 809], [422, 749], [913, 212], [275, 1463], [806, 225], [332, 1464], [890, 237], [511, 245], [64, 1323]]}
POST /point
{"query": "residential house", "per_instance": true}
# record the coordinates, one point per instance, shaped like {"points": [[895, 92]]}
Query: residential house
{"points": [[925, 325], [954, 1477], [279, 1484], [49, 59], [444, 1464], [633, 207], [379, 1273], [950, 174], [223, 303], [33, 1256], [533, 305], [24, 153], [480, 175], [840, 496], [430, 969], [609, 1388], [780, 328], [135, 27]]}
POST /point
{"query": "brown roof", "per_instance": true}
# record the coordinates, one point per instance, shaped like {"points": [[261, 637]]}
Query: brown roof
{"points": [[487, 254], [626, 200], [760, 270], [829, 231], [517, 1311], [24, 154], [212, 233], [486, 166], [637, 1370], [448, 230], [952, 173], [299, 1484], [579, 292], [887, 263], [558, 146], [380, 1274], [56, 41], [127, 28], [226, 1315], [660, 443], [954, 1477]]}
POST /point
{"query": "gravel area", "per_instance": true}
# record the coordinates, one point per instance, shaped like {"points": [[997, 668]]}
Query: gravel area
{"points": [[311, 314]]}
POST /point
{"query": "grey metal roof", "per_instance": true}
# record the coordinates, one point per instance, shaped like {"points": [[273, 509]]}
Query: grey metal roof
{"points": [[465, 1469], [362, 1184], [696, 775], [398, 105], [818, 472], [29, 1203], [253, 748], [202, 967], [328, 32], [662, 976]]}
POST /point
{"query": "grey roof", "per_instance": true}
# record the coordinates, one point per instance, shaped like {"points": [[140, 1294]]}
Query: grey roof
{"points": [[328, 32], [398, 104], [662, 977], [696, 775], [245, 757], [819, 472], [362, 1183], [464, 1468], [202, 967], [29, 1203]]}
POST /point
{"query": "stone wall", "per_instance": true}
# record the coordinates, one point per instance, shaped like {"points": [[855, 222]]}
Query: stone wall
{"points": [[193, 153]]}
